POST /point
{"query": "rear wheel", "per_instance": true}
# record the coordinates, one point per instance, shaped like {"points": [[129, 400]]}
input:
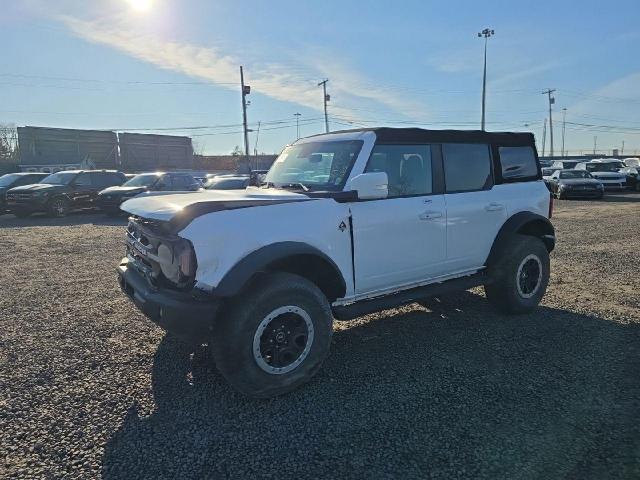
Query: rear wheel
{"points": [[520, 277], [274, 337], [59, 207]]}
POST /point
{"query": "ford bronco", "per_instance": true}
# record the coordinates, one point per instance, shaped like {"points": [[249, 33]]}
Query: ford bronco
{"points": [[345, 224]]}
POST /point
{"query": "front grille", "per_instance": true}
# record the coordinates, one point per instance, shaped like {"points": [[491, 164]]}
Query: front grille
{"points": [[18, 196]]}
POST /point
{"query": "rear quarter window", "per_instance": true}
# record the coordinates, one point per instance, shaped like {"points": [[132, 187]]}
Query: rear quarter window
{"points": [[518, 163]]}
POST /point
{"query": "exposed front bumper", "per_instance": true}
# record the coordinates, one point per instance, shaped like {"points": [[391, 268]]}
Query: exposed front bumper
{"points": [[176, 312]]}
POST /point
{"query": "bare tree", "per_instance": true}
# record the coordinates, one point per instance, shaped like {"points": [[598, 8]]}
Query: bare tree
{"points": [[9, 153]]}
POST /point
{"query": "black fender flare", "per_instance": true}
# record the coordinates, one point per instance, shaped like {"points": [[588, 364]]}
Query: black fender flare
{"points": [[526, 223], [259, 260]]}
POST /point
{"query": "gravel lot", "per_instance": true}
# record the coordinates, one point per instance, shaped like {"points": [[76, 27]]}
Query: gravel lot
{"points": [[89, 388]]}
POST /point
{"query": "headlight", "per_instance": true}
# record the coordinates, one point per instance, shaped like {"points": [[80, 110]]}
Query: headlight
{"points": [[178, 263]]}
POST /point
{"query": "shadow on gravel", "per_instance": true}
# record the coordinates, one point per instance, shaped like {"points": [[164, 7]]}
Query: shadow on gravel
{"points": [[455, 391], [76, 218]]}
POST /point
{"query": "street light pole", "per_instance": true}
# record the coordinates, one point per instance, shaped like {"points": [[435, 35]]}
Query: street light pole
{"points": [[486, 33]]}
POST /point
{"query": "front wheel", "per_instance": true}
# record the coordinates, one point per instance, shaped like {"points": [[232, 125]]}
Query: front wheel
{"points": [[59, 207], [519, 279], [274, 337]]}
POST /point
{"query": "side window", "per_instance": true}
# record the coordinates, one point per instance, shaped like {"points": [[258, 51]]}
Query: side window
{"points": [[104, 180], [83, 180], [467, 167], [408, 168], [181, 182], [518, 163], [163, 183]]}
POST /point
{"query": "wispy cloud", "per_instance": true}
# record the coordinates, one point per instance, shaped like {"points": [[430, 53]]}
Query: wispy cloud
{"points": [[221, 67]]}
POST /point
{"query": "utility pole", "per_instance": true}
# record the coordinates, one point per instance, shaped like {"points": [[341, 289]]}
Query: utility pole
{"points": [[544, 136], [552, 100], [564, 119], [326, 99], [297, 115], [622, 150], [486, 33], [246, 90], [595, 144]]}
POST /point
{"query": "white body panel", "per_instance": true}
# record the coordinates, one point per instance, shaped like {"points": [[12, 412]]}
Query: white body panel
{"points": [[398, 241], [221, 239]]}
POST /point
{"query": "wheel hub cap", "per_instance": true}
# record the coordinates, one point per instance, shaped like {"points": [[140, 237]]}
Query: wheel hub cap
{"points": [[283, 340], [529, 276]]}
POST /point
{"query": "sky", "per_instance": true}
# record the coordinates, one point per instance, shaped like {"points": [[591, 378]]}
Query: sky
{"points": [[172, 66]]}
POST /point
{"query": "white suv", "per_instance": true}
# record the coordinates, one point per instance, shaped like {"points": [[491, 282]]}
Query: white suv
{"points": [[346, 224]]}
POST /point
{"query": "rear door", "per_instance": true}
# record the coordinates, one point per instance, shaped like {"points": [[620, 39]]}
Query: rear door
{"points": [[475, 209], [400, 240]]}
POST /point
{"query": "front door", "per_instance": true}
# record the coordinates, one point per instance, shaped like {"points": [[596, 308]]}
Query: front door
{"points": [[83, 191], [399, 240]]}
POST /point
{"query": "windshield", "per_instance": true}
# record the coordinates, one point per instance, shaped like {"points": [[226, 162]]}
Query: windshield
{"points": [[144, 180], [226, 184], [314, 165], [603, 167], [575, 174], [60, 178], [8, 179]]}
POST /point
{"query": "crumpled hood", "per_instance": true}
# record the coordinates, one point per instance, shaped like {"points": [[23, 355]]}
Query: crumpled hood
{"points": [[35, 187], [166, 207]]}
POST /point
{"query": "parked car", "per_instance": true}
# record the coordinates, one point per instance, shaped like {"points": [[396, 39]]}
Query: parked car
{"points": [[565, 164], [607, 171], [11, 180], [546, 175], [347, 224], [235, 182], [575, 184], [59, 193], [633, 177], [110, 198], [632, 162]]}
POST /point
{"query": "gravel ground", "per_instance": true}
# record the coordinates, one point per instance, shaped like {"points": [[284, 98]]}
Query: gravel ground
{"points": [[89, 388]]}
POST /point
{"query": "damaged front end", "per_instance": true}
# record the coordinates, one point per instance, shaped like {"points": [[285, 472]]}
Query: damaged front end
{"points": [[158, 275], [164, 258]]}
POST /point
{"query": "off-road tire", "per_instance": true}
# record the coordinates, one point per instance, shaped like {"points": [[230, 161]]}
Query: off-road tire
{"points": [[235, 333], [522, 254], [58, 207]]}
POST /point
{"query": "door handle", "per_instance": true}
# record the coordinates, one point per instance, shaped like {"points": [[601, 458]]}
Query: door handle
{"points": [[494, 207], [430, 215]]}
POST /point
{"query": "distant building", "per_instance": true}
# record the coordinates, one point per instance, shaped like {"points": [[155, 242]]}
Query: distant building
{"points": [[145, 152], [52, 149]]}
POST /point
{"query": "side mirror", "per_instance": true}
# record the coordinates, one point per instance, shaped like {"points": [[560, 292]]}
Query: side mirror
{"points": [[370, 186]]}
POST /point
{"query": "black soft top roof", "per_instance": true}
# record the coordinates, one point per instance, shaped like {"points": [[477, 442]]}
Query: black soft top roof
{"points": [[415, 135]]}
